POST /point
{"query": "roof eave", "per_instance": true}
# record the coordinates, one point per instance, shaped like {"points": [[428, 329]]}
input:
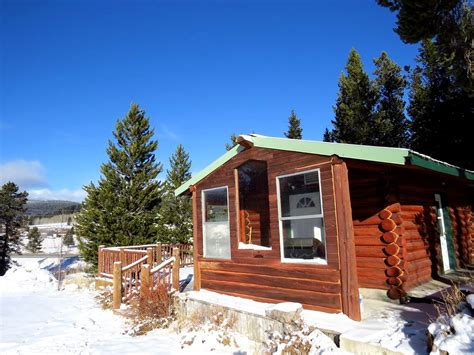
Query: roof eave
{"points": [[208, 169], [426, 162]]}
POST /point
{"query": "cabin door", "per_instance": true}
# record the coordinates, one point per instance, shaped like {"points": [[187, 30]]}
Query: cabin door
{"points": [[445, 237]]}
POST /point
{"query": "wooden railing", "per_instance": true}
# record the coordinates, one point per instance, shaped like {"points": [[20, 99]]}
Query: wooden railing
{"points": [[134, 269], [129, 254], [185, 252]]}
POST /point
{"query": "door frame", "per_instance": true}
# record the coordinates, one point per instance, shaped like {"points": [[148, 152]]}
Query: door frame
{"points": [[443, 235]]}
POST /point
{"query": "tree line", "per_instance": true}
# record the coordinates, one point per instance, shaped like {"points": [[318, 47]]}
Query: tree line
{"points": [[129, 205], [428, 108]]}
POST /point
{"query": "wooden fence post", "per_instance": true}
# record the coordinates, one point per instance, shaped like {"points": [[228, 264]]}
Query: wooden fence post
{"points": [[117, 285], [122, 256], [100, 260], [176, 269], [158, 253], [149, 254], [145, 280]]}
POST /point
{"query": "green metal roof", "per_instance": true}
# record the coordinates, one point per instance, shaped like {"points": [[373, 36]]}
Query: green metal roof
{"points": [[396, 156]]}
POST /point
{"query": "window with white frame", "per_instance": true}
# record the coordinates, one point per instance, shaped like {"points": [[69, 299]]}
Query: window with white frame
{"points": [[215, 223], [301, 216]]}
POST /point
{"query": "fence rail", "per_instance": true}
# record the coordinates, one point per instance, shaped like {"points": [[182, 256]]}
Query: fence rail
{"points": [[138, 268], [129, 254]]}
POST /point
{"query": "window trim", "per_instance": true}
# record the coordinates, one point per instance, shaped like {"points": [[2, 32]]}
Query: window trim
{"points": [[203, 219], [317, 261]]}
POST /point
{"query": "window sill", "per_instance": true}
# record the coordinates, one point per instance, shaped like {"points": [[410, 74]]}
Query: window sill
{"points": [[318, 261], [243, 246]]}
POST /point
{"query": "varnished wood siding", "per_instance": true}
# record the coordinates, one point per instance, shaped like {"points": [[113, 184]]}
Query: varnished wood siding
{"points": [[260, 274]]}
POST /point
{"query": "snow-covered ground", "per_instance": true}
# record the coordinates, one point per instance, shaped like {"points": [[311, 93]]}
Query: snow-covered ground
{"points": [[51, 245], [455, 334], [60, 225], [37, 318]]}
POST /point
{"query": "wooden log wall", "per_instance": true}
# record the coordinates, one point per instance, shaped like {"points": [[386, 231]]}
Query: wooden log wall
{"points": [[377, 231], [260, 274], [419, 224], [469, 218], [417, 192], [464, 223], [416, 231]]}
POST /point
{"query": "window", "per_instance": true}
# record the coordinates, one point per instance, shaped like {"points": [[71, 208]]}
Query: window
{"points": [[253, 214], [301, 217], [216, 234]]}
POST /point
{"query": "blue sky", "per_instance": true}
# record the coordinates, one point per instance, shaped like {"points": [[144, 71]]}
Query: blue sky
{"points": [[200, 69]]}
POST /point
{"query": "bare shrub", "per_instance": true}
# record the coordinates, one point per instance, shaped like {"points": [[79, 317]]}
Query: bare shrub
{"points": [[155, 302], [151, 309], [451, 300], [216, 324], [453, 305], [104, 298]]}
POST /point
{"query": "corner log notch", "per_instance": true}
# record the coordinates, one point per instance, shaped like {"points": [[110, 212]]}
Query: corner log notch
{"points": [[395, 272], [346, 245]]}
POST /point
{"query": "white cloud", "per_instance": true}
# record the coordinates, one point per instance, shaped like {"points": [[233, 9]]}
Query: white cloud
{"points": [[30, 175], [23, 173], [63, 194], [167, 133]]}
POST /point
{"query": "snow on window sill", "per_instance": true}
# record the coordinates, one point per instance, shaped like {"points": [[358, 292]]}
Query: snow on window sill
{"points": [[253, 246], [317, 261]]}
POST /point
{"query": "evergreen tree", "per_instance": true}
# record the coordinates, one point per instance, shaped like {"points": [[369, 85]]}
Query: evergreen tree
{"points": [[448, 23], [175, 221], [440, 110], [233, 142], [294, 127], [12, 211], [354, 109], [34, 240], [390, 121], [327, 137], [69, 237], [122, 208]]}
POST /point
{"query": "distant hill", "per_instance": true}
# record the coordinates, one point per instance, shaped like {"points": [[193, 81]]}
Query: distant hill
{"points": [[48, 208]]}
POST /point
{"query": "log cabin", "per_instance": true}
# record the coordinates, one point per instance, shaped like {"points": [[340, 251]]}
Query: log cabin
{"points": [[280, 220]]}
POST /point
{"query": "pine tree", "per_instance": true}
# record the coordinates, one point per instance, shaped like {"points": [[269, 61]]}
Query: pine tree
{"points": [[122, 208], [390, 121], [294, 129], [354, 109], [175, 221], [34, 240], [69, 237], [327, 137], [440, 110], [233, 142], [12, 211], [448, 24]]}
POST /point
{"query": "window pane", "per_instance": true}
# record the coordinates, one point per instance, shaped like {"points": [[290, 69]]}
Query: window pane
{"points": [[300, 195], [215, 205], [216, 224], [217, 240], [254, 216], [304, 238]]}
